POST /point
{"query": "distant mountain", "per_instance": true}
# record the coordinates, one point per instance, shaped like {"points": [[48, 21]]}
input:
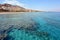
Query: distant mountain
{"points": [[14, 8]]}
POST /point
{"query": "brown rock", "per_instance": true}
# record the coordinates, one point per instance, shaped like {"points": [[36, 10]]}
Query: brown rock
{"points": [[14, 8]]}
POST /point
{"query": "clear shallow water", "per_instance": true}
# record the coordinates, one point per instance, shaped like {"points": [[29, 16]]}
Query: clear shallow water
{"points": [[31, 26]]}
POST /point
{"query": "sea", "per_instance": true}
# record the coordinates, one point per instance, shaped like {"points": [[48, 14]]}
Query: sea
{"points": [[30, 26]]}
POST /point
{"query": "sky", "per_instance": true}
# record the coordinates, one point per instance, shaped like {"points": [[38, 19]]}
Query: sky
{"points": [[43, 5]]}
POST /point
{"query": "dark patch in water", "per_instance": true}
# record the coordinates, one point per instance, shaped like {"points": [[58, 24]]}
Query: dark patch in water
{"points": [[31, 30], [8, 38]]}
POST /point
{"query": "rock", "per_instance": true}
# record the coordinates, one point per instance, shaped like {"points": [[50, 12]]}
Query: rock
{"points": [[14, 8]]}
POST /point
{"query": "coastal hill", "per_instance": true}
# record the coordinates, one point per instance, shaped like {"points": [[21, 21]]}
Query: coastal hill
{"points": [[14, 8]]}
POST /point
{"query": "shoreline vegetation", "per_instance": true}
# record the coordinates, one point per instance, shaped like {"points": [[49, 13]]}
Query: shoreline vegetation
{"points": [[14, 8]]}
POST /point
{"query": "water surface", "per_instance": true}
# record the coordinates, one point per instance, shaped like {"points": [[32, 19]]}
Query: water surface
{"points": [[31, 26]]}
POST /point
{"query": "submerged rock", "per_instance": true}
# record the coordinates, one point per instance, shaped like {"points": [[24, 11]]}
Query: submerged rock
{"points": [[22, 35]]}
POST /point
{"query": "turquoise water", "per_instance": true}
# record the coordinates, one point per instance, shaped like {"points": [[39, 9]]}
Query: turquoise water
{"points": [[31, 26]]}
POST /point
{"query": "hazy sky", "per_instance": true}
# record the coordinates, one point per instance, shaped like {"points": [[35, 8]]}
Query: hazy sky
{"points": [[46, 5]]}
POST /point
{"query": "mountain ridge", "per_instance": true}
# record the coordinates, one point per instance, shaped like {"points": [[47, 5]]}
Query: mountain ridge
{"points": [[14, 8]]}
